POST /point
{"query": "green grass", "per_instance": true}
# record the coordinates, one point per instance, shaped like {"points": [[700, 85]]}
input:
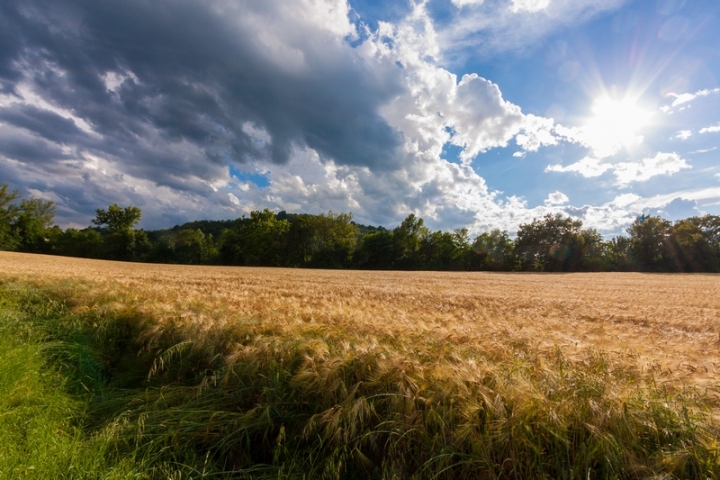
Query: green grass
{"points": [[112, 393]]}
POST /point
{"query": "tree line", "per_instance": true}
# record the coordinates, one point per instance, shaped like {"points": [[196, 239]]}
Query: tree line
{"points": [[553, 243]]}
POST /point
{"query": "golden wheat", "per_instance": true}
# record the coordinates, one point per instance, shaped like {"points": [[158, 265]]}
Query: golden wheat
{"points": [[660, 328]]}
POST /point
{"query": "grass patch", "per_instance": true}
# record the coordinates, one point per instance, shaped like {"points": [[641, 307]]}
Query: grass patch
{"points": [[95, 386]]}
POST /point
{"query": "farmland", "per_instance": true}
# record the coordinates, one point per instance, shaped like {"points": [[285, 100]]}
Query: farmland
{"points": [[395, 374]]}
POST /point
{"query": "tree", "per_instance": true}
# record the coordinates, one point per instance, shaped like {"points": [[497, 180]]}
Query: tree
{"points": [[24, 226], [32, 225], [117, 219], [121, 241], [493, 251], [8, 215], [618, 254], [86, 243], [407, 237], [555, 244], [334, 240], [649, 241], [692, 244], [260, 240], [378, 251], [192, 247]]}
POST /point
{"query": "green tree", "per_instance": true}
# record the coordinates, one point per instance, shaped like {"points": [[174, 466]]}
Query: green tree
{"points": [[445, 251], [117, 219], [618, 254], [692, 245], [407, 238], [259, 240], [121, 241], [555, 244], [86, 243], [192, 247], [333, 241], [493, 251], [8, 215], [32, 225], [377, 251], [24, 226], [649, 238]]}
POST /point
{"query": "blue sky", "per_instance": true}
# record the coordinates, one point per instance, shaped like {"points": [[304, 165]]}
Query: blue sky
{"points": [[470, 113]]}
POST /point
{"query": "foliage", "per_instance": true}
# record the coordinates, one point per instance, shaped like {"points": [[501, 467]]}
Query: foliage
{"points": [[331, 240], [555, 244], [494, 251], [649, 241], [25, 226]]}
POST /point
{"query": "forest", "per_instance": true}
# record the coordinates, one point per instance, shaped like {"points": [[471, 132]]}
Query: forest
{"points": [[333, 240]]}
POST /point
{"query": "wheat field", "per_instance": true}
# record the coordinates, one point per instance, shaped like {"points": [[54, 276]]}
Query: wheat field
{"points": [[559, 352], [664, 326]]}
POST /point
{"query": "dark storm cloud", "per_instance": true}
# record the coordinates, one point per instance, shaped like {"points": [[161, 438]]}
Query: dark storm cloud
{"points": [[189, 77], [41, 122]]}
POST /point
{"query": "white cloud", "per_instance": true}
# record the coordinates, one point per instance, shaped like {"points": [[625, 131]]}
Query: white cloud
{"points": [[704, 150], [684, 134], [437, 108], [681, 98], [529, 5], [556, 198], [587, 167], [495, 26], [626, 172], [234, 199], [661, 164], [462, 3], [711, 129], [429, 108]]}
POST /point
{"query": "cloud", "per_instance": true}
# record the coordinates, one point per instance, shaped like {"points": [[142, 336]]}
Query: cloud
{"points": [[681, 98], [704, 150], [661, 164], [494, 26], [711, 129], [157, 104], [165, 105], [556, 198], [626, 172], [529, 5], [203, 71], [684, 134], [436, 108], [587, 167]]}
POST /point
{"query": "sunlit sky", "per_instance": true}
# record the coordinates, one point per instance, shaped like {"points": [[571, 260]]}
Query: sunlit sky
{"points": [[469, 113]]}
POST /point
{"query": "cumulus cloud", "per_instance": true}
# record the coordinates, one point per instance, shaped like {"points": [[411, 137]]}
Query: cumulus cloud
{"points": [[587, 167], [529, 5], [711, 129], [174, 106], [681, 98], [684, 134], [626, 172], [156, 104], [661, 164], [556, 198]]}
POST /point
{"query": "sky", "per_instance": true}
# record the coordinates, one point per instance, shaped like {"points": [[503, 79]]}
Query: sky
{"points": [[477, 114]]}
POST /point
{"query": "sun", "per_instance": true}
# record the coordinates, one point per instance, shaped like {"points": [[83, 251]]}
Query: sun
{"points": [[614, 124]]}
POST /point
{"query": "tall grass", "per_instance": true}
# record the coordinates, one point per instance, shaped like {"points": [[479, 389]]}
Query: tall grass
{"points": [[156, 396]]}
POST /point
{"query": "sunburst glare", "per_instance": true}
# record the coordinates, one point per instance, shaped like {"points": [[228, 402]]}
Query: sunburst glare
{"points": [[614, 124]]}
